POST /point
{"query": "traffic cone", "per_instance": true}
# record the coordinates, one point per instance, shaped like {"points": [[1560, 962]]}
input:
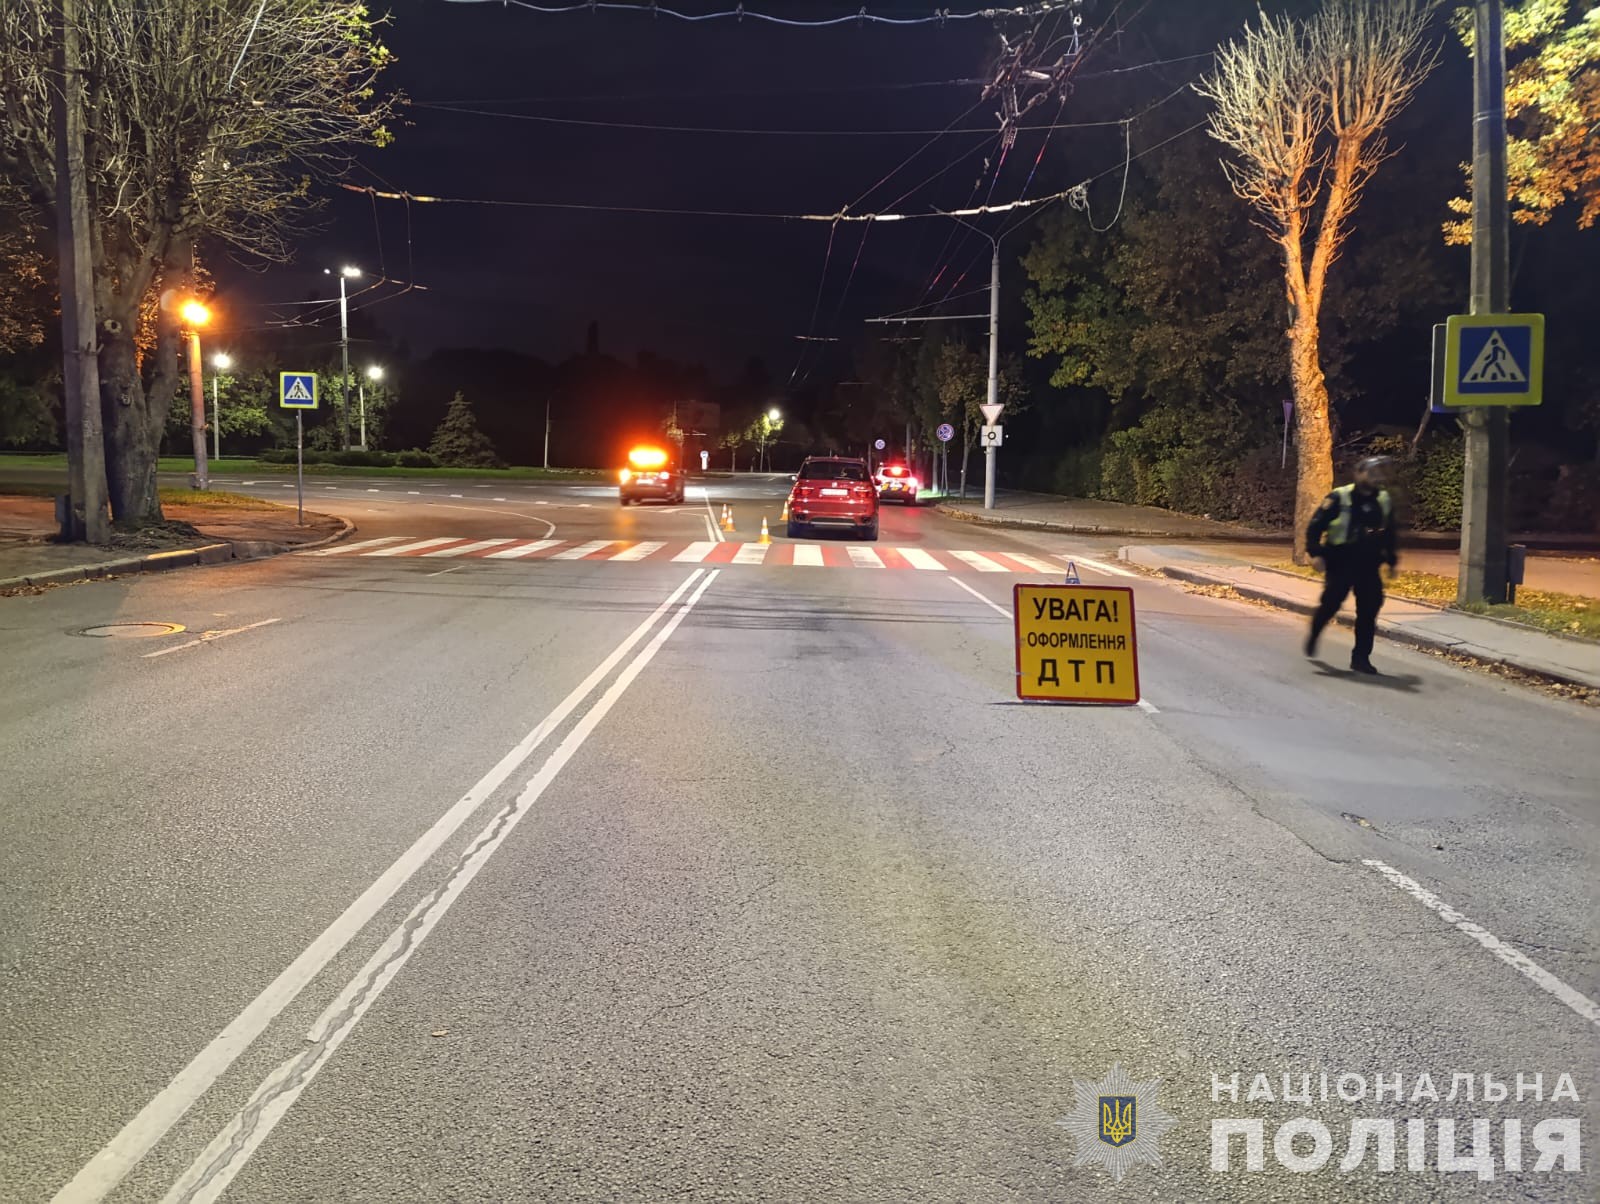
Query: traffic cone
{"points": [[765, 537], [727, 518], [784, 517]]}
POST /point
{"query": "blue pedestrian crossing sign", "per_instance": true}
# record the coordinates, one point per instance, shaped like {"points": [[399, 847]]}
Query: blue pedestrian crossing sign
{"points": [[297, 390], [1494, 360]]}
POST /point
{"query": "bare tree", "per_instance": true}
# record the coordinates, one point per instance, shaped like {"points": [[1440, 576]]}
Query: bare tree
{"points": [[1303, 105], [207, 119]]}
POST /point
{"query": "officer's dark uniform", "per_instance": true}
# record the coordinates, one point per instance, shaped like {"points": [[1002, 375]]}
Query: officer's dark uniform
{"points": [[1353, 532]]}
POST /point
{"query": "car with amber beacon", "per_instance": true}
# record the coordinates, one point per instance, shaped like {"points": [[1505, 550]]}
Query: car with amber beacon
{"points": [[651, 473], [833, 493], [895, 481]]}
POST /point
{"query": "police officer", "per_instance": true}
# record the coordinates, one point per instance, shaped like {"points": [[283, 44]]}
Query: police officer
{"points": [[1352, 534]]}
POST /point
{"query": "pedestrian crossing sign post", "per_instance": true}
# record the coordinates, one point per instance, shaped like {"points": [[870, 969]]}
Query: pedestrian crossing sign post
{"points": [[297, 390], [1494, 360], [1075, 643]]}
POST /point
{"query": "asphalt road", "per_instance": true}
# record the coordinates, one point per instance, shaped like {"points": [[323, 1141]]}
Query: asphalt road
{"points": [[414, 872]]}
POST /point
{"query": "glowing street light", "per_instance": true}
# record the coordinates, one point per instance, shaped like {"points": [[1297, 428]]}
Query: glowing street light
{"points": [[345, 273], [195, 314], [220, 362]]}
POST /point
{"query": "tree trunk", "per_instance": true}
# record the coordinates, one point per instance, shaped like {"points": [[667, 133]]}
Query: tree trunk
{"points": [[1313, 431], [132, 441]]}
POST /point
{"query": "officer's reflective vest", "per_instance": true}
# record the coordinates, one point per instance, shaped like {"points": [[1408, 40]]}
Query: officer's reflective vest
{"points": [[1340, 529]]}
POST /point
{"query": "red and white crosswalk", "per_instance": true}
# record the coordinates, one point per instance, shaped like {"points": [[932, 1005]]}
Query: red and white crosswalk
{"points": [[620, 551]]}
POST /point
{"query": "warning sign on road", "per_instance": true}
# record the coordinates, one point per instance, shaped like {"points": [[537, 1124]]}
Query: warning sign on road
{"points": [[297, 390], [1075, 643]]}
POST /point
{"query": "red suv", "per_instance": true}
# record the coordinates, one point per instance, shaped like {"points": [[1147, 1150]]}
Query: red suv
{"points": [[832, 491]]}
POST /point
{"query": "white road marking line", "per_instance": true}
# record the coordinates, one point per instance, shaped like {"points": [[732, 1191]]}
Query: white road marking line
{"points": [[402, 549], [111, 1164], [452, 569], [751, 553], [1033, 562], [639, 551], [247, 482], [919, 559], [210, 1174], [498, 499], [1099, 566], [711, 515], [1515, 958], [209, 636], [978, 561], [525, 549], [457, 495], [465, 548], [533, 518], [1146, 705], [695, 552], [584, 549], [373, 491], [340, 549], [808, 555], [994, 606], [866, 558], [413, 493]]}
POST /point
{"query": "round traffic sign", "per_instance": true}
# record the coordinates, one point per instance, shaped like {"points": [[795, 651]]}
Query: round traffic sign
{"points": [[880, 445], [946, 432]]}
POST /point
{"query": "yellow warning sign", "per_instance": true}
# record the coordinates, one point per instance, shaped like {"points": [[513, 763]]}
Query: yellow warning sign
{"points": [[1075, 643]]}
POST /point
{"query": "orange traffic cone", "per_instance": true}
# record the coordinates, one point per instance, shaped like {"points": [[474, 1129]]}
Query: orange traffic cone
{"points": [[765, 537], [727, 518], [784, 517]]}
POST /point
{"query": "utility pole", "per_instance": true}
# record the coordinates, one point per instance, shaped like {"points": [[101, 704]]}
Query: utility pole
{"points": [[994, 370], [1482, 574], [547, 432], [344, 356], [87, 517]]}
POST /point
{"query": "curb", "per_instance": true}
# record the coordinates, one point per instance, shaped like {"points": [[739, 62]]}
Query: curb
{"points": [[964, 514], [1389, 631], [178, 558]]}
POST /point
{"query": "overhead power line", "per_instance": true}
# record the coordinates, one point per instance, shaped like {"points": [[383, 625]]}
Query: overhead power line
{"points": [[741, 13], [544, 119]]}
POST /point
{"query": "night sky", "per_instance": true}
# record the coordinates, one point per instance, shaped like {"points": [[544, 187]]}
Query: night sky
{"points": [[711, 289]]}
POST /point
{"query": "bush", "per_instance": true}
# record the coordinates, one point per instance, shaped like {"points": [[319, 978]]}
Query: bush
{"points": [[1077, 474], [277, 455], [1574, 503], [415, 459], [356, 458]]}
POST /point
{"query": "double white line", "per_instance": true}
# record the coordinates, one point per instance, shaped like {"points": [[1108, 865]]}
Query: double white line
{"points": [[209, 1175]]}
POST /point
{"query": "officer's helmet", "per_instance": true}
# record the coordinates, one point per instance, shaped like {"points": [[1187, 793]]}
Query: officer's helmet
{"points": [[1375, 472]]}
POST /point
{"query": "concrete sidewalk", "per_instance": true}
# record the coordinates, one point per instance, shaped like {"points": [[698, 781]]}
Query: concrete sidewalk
{"points": [[1557, 658], [28, 558]]}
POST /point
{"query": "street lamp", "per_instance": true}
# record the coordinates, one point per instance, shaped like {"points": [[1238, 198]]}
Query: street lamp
{"points": [[221, 361], [345, 273], [195, 315], [374, 374], [773, 417]]}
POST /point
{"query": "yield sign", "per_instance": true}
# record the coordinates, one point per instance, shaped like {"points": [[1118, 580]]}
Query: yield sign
{"points": [[991, 413]]}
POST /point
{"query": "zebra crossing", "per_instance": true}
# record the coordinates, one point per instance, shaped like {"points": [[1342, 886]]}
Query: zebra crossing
{"points": [[623, 551]]}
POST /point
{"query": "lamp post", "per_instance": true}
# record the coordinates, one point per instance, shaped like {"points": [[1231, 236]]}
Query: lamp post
{"points": [[220, 362], [195, 315], [374, 374], [345, 273], [772, 418]]}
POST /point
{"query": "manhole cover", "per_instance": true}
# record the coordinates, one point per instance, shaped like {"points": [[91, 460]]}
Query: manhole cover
{"points": [[123, 631]]}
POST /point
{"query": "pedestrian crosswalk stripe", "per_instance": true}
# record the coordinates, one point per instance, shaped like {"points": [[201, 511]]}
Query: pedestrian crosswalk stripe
{"points": [[466, 549], [978, 561], [865, 558], [695, 552], [918, 559], [407, 549], [582, 550], [832, 555], [639, 551]]}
